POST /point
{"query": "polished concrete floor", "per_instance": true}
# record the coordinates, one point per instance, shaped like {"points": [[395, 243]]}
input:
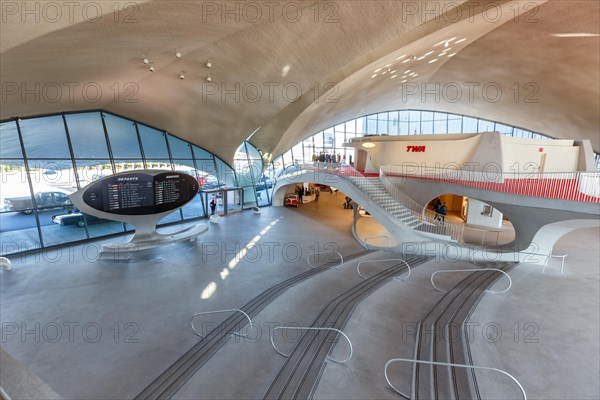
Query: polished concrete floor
{"points": [[96, 329]]}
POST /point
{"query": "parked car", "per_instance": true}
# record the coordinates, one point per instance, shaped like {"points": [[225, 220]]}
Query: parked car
{"points": [[292, 200], [211, 183], [264, 183], [42, 199], [76, 218]]}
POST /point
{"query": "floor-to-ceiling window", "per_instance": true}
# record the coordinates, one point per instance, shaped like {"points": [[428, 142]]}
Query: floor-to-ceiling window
{"points": [[44, 159], [404, 122]]}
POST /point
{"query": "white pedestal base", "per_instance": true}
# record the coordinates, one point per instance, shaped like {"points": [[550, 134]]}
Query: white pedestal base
{"points": [[137, 243]]}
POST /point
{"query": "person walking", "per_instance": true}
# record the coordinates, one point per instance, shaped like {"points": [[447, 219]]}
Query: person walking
{"points": [[213, 206], [443, 211]]}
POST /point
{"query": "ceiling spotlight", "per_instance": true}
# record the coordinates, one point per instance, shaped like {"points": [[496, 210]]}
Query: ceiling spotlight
{"points": [[208, 79], [178, 54], [208, 64], [182, 75], [151, 68], [145, 60]]}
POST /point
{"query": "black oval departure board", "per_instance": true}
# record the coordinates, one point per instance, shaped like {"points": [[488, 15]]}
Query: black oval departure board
{"points": [[136, 193]]}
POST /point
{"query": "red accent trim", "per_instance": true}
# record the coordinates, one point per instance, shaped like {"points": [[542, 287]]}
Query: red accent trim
{"points": [[564, 189]]}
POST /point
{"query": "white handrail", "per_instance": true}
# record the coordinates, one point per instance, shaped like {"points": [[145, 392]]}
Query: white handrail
{"points": [[325, 252], [377, 237], [391, 259], [455, 231], [222, 311], [550, 255], [310, 328], [387, 364], [473, 270], [485, 231]]}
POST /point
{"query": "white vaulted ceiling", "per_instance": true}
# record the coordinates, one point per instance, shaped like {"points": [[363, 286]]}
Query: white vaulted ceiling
{"points": [[506, 46]]}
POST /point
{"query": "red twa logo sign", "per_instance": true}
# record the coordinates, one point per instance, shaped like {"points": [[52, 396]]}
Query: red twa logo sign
{"points": [[415, 149]]}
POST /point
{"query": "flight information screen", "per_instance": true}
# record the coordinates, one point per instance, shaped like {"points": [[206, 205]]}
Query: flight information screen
{"points": [[138, 193]]}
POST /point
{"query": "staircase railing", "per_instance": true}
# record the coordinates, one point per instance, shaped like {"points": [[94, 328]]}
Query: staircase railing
{"points": [[575, 186], [433, 224], [428, 218]]}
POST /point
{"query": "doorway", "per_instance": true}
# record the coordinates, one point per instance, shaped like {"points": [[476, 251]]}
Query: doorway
{"points": [[228, 200]]}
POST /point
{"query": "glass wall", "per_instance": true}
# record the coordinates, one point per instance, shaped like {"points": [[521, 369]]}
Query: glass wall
{"points": [[252, 177], [404, 122], [44, 159]]}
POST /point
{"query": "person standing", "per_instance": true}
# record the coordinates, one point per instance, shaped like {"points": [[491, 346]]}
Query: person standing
{"points": [[443, 211], [317, 193], [213, 206]]}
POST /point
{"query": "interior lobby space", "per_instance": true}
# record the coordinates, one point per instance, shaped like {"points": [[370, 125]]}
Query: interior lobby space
{"points": [[346, 199], [124, 323]]}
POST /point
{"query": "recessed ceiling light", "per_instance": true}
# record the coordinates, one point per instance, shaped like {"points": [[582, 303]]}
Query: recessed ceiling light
{"points": [[405, 61], [393, 76], [451, 55], [377, 70], [460, 41], [403, 81], [425, 55], [373, 76], [368, 145], [572, 35], [401, 57], [432, 61], [407, 71]]}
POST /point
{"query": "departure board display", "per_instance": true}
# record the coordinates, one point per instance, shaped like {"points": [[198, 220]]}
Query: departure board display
{"points": [[139, 193]]}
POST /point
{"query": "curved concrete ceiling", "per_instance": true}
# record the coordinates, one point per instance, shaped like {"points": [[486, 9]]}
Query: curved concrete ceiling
{"points": [[285, 75]]}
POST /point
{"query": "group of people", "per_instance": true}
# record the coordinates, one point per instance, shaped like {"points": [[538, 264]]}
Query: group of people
{"points": [[302, 191], [325, 157], [440, 210]]}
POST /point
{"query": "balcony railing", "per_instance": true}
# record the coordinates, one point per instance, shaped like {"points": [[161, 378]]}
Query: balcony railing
{"points": [[573, 186]]}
